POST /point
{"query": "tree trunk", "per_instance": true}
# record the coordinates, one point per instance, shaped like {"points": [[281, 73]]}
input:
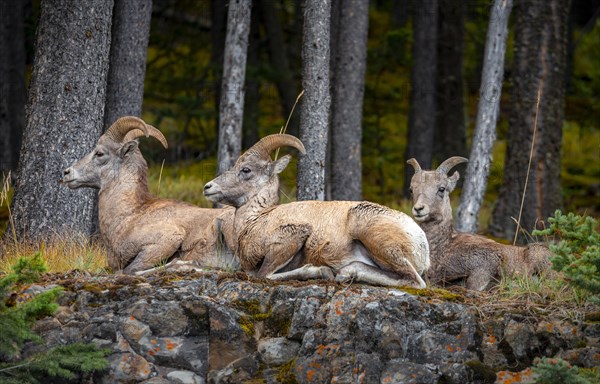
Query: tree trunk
{"points": [[127, 69], [12, 83], [488, 108], [286, 86], [231, 108], [252, 100], [539, 63], [314, 113], [218, 17], [421, 115], [64, 116], [349, 67], [451, 135]]}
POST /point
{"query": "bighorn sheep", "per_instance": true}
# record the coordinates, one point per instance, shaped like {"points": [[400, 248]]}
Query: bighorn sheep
{"points": [[345, 240], [141, 231], [456, 255]]}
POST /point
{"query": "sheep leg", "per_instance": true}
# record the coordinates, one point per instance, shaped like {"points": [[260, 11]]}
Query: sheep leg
{"points": [[281, 248], [479, 279], [306, 272], [151, 255], [361, 272]]}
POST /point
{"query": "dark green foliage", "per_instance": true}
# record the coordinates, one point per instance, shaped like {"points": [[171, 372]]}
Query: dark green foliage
{"points": [[577, 255], [15, 320], [558, 371], [17, 315]]}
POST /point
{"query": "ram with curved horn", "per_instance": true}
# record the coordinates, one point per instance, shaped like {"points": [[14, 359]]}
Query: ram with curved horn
{"points": [[341, 240], [140, 230], [457, 256]]}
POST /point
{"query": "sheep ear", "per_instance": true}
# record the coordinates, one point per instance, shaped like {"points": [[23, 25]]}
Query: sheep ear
{"points": [[453, 180], [280, 164], [127, 148]]}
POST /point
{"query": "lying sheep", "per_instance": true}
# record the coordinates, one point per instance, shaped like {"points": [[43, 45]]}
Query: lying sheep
{"points": [[141, 231], [345, 240], [456, 255]]}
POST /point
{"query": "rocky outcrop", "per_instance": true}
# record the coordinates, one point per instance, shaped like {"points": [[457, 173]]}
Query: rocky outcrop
{"points": [[221, 328]]}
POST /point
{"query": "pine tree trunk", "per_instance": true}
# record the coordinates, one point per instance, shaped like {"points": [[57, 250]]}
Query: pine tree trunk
{"points": [[539, 63], [422, 112], [64, 116], [488, 108], [314, 113], [451, 135], [250, 126], [218, 18], [12, 83], [349, 67], [286, 86], [231, 108], [127, 70]]}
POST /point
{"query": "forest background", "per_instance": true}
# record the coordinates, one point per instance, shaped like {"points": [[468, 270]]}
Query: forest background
{"points": [[182, 83]]}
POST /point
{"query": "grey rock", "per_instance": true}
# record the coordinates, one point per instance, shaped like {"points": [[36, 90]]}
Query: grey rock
{"points": [[185, 377], [278, 350], [216, 328]]}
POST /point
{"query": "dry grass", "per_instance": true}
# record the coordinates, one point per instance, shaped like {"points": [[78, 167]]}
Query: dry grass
{"points": [[548, 295], [62, 254]]}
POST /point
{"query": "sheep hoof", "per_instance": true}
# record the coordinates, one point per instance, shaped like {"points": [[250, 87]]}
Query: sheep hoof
{"points": [[327, 274]]}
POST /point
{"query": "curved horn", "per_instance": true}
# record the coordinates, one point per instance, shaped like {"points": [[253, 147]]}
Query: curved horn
{"points": [[268, 144], [415, 164], [450, 163], [152, 132], [128, 128]]}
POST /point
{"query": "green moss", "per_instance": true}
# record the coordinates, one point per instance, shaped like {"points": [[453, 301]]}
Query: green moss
{"points": [[285, 374], [247, 324], [435, 293], [251, 307]]}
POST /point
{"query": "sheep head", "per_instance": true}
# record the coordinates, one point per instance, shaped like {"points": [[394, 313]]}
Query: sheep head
{"points": [[253, 173], [431, 190], [114, 149]]}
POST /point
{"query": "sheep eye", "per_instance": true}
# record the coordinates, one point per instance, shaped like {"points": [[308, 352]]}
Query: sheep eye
{"points": [[99, 154], [246, 170], [441, 190]]}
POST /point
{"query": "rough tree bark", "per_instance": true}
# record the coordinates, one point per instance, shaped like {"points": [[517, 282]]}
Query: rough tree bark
{"points": [[349, 67], [451, 134], [231, 108], [250, 126], [128, 49], [278, 55], [314, 112], [12, 83], [64, 116], [218, 19], [478, 168], [422, 112], [539, 63]]}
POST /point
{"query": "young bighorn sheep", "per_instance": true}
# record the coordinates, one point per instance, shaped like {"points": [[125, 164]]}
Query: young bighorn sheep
{"points": [[456, 255], [345, 240], [140, 230]]}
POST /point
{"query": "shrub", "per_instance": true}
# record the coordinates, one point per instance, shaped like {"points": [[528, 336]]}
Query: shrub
{"points": [[16, 319], [577, 254]]}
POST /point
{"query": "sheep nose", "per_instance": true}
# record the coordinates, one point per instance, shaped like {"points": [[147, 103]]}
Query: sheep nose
{"points": [[207, 186], [67, 171], [419, 208]]}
